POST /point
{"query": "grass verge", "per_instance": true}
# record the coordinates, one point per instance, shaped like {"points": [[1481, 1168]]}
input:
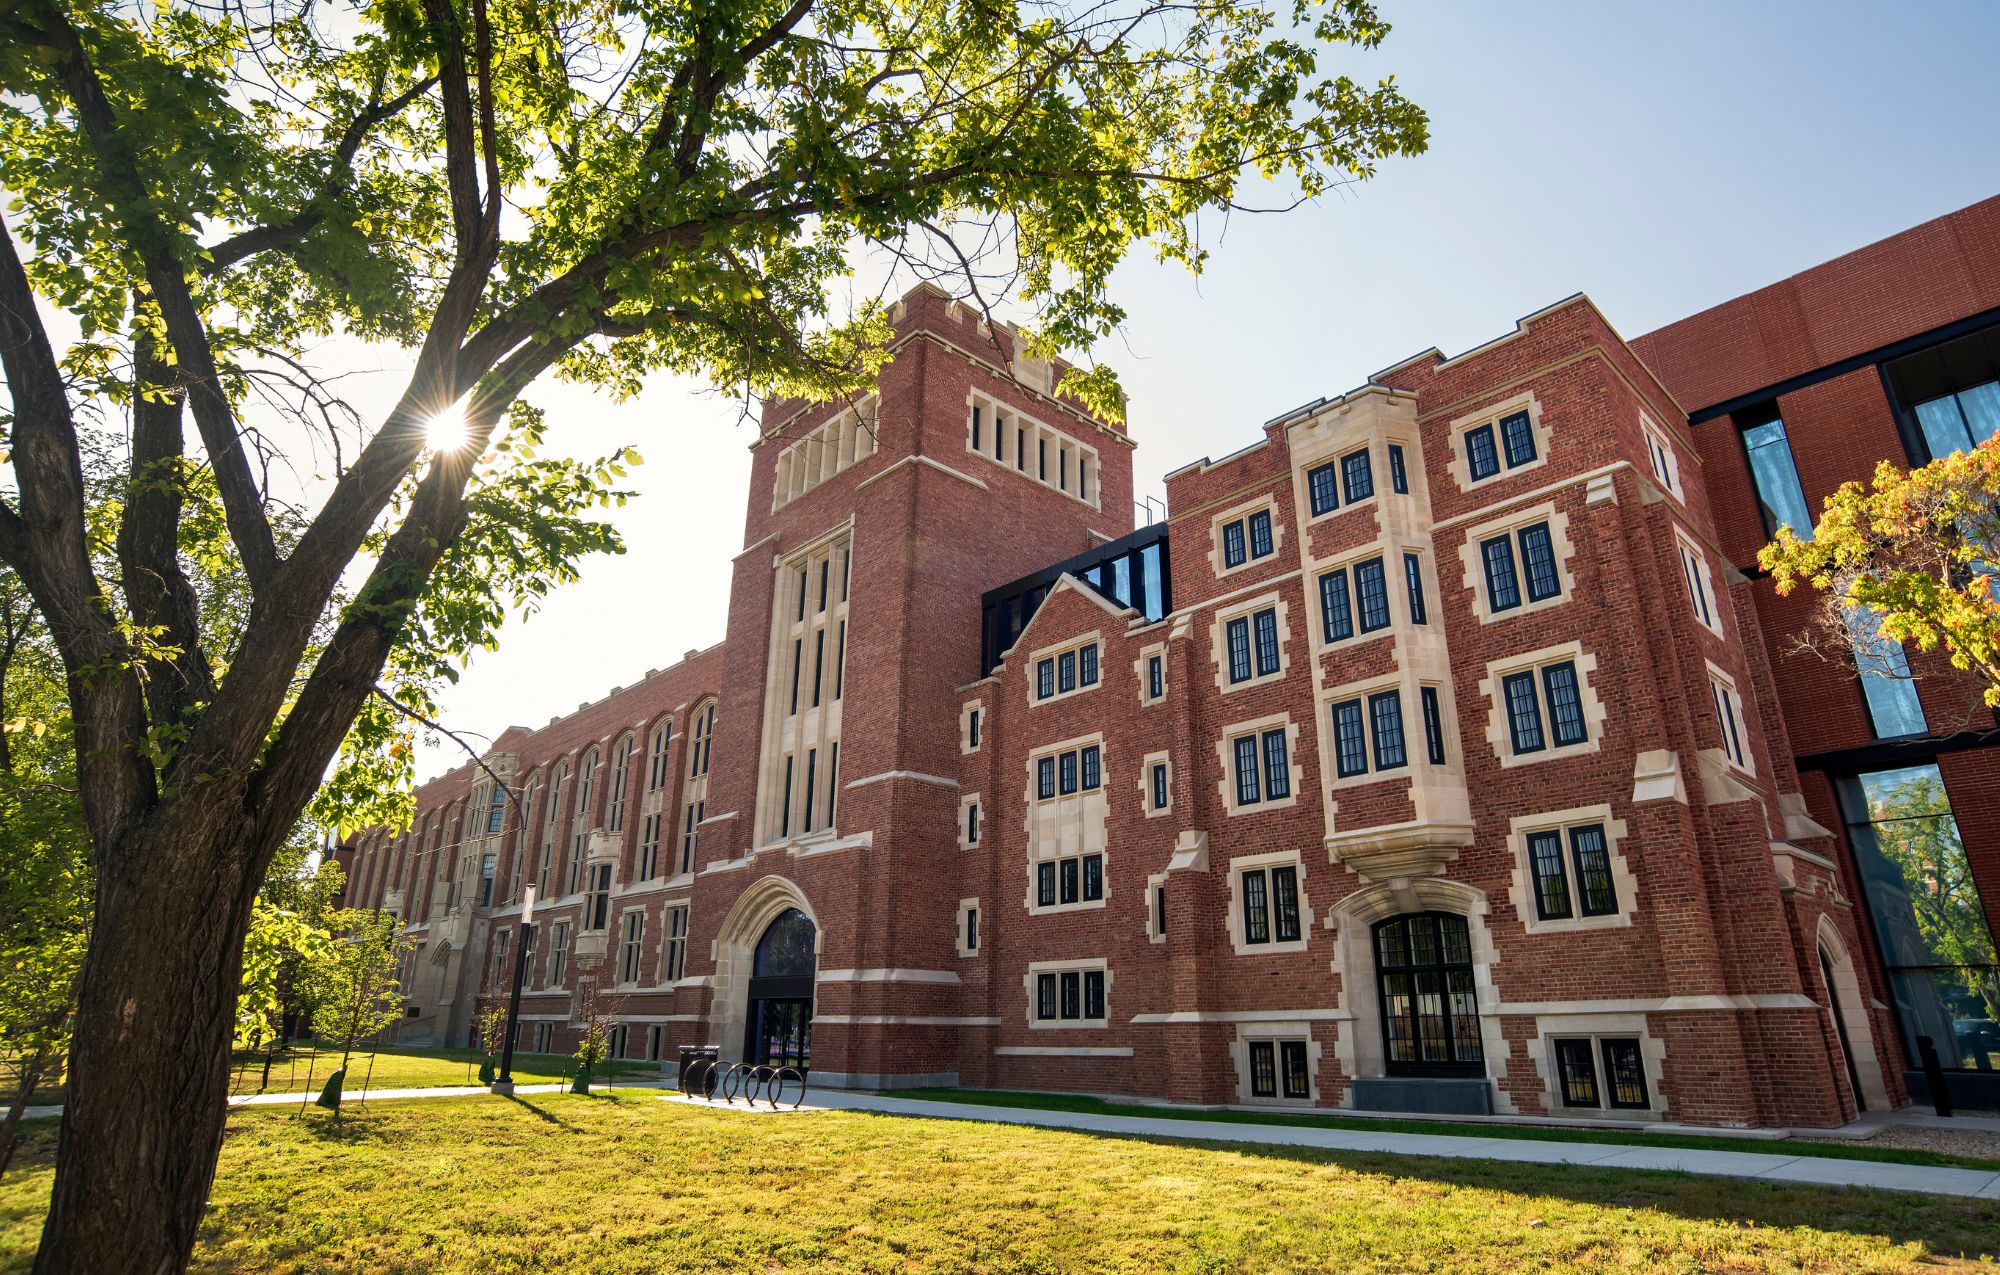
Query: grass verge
{"points": [[397, 1067], [1457, 1129], [621, 1182]]}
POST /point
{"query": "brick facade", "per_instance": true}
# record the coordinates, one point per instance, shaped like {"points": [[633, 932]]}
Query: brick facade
{"points": [[1237, 929]]}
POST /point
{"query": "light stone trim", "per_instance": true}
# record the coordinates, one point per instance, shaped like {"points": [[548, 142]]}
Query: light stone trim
{"points": [[1235, 920], [1719, 675], [1146, 653], [1225, 751], [958, 928], [1594, 713], [916, 775], [1550, 1028], [1456, 463], [1521, 890], [1246, 609], [1037, 433], [1696, 574], [903, 1020], [1078, 966], [1183, 1016], [910, 462], [1063, 1051], [1472, 563], [1146, 764], [1275, 1032], [1262, 501], [942, 977]]}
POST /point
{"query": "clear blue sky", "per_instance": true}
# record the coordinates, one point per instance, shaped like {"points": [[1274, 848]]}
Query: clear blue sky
{"points": [[1660, 157]]}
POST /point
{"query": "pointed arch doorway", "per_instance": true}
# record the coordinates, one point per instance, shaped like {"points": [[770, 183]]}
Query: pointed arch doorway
{"points": [[778, 1030]]}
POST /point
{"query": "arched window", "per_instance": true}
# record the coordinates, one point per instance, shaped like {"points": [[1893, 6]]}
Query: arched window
{"points": [[1430, 1014], [584, 776], [656, 766], [786, 950], [702, 726], [621, 761]]}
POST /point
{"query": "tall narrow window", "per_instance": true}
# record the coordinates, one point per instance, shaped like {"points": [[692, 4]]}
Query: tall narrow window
{"points": [[1779, 494], [1350, 740], [1886, 686], [1086, 665], [1371, 592], [1385, 713], [1277, 765], [1524, 713], [1237, 635], [1233, 551], [1159, 785], [1433, 725], [1335, 610], [1399, 478], [1482, 456], [673, 955], [1729, 722], [1323, 488], [1156, 677], [1517, 436], [1565, 705], [1413, 580], [812, 786], [1266, 623], [1248, 791], [1503, 588], [1260, 534], [1357, 477]]}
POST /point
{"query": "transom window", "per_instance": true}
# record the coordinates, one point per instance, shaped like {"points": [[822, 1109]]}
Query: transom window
{"points": [[1076, 879], [1619, 1082], [1253, 645], [1275, 1062], [1527, 693], [1263, 766], [1067, 773], [1357, 722], [1247, 539], [1430, 1012], [1270, 905], [1576, 884], [1533, 573], [1073, 995]]}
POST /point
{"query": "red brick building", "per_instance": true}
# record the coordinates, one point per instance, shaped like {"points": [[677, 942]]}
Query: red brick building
{"points": [[1439, 752]]}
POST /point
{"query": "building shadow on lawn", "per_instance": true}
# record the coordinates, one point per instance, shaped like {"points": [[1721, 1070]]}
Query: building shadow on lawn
{"points": [[544, 1113], [1947, 1224]]}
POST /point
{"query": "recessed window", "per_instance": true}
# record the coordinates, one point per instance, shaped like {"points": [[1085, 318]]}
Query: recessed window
{"points": [[972, 725], [1279, 1062], [1075, 995], [972, 823], [1482, 454], [1252, 642], [972, 929], [1430, 1010], [1659, 454], [1247, 539], [1433, 725], [1076, 879], [1263, 766], [1528, 693], [1158, 787], [1066, 773], [1571, 872], [1729, 720], [673, 952], [1779, 495], [1323, 488], [1376, 719], [1621, 1083], [1371, 593], [1413, 582], [1357, 477], [1509, 441], [1534, 572], [1399, 478], [1694, 572], [1066, 672], [1270, 905], [1336, 608], [1156, 677]]}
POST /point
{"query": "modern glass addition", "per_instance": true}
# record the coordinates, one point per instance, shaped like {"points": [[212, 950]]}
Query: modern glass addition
{"points": [[1430, 1011], [1936, 945], [1891, 694], [1779, 494]]}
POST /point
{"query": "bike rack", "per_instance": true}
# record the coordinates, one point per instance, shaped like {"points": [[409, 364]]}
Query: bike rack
{"points": [[704, 1076]]}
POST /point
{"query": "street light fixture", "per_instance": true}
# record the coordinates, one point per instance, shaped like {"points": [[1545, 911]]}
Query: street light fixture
{"points": [[504, 1083]]}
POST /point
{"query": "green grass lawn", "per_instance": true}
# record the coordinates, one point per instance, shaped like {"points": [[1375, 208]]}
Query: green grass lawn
{"points": [[1469, 1129], [625, 1182], [400, 1068]]}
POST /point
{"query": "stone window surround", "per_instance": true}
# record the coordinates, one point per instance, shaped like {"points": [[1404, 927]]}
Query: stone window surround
{"points": [[1083, 800], [1461, 471], [1415, 746], [958, 923], [1521, 885], [1225, 751], [970, 801], [667, 937], [1037, 968], [1154, 884], [1660, 439], [1473, 562], [1718, 674], [1036, 430], [1390, 550], [1254, 862], [965, 712], [852, 432], [1594, 713], [1146, 764], [1071, 644], [1550, 1028], [1218, 640], [1146, 653], [1378, 470], [1686, 547], [1275, 1032], [1263, 501], [627, 939]]}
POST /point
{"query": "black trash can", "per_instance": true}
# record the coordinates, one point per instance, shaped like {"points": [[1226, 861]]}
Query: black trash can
{"points": [[699, 1070]]}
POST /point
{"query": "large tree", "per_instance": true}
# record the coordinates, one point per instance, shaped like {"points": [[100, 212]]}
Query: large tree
{"points": [[499, 188]]}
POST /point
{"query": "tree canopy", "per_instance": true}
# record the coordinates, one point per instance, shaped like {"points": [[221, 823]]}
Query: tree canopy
{"points": [[206, 194]]}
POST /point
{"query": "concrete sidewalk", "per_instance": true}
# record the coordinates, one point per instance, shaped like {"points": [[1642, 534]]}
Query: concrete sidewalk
{"points": [[1769, 1166], [353, 1096]]}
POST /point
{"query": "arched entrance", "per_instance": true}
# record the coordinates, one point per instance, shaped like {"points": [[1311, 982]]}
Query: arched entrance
{"points": [[1849, 1010], [779, 1022]]}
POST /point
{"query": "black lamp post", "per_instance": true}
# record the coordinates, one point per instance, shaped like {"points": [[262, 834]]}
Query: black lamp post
{"points": [[504, 1083]]}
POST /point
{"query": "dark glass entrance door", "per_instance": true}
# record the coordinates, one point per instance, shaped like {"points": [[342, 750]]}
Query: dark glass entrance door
{"points": [[781, 993]]}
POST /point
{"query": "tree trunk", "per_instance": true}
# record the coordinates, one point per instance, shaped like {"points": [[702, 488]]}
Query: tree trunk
{"points": [[149, 1066], [10, 1132]]}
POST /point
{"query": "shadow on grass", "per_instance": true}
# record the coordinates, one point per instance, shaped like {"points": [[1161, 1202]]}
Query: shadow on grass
{"points": [[544, 1113], [1941, 1224], [350, 1128]]}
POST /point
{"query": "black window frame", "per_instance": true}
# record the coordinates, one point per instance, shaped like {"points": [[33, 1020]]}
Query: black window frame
{"points": [[1257, 528], [1249, 767], [1332, 589], [1524, 435], [1399, 474], [1235, 544], [1496, 560], [1482, 452], [1371, 595], [1159, 785], [1453, 977], [1385, 730], [1090, 762], [1264, 641], [1350, 738], [1357, 476], [1538, 556], [1236, 648], [1156, 677], [1413, 583], [1276, 751], [1433, 714], [1323, 488]]}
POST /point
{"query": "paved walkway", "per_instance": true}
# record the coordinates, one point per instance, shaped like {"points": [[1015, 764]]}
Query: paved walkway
{"points": [[1773, 1166]]}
